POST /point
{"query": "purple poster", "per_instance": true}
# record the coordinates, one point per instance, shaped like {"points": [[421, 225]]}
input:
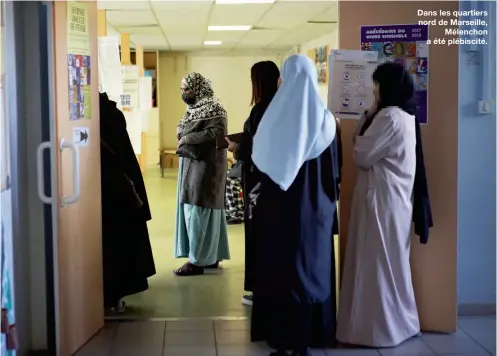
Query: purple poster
{"points": [[405, 44]]}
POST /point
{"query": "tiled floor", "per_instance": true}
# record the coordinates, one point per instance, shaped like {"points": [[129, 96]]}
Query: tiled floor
{"points": [[475, 337], [215, 294]]}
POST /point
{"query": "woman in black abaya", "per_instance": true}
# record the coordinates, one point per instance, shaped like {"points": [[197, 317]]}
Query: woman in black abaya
{"points": [[293, 209], [264, 76], [127, 254]]}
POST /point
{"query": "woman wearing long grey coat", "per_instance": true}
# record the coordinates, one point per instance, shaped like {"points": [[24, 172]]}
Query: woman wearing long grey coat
{"points": [[201, 230]]}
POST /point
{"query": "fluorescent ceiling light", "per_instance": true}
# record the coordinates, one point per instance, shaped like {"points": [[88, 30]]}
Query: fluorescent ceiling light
{"points": [[212, 43], [235, 2], [229, 28]]}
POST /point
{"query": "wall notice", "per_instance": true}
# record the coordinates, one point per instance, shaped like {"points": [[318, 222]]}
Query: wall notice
{"points": [[78, 58], [407, 45], [350, 89]]}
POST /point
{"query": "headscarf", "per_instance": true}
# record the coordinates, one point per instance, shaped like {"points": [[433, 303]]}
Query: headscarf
{"points": [[296, 126], [206, 106], [397, 89]]}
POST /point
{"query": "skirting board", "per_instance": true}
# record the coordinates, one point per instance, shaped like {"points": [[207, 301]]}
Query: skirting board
{"points": [[469, 309]]}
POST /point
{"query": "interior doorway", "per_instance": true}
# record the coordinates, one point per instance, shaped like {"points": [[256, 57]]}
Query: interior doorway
{"points": [[180, 31]]}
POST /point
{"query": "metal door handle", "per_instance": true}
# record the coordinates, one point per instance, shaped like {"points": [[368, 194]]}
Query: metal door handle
{"points": [[40, 172], [76, 181]]}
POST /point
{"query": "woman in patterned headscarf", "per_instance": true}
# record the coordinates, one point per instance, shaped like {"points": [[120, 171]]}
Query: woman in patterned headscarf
{"points": [[201, 231]]}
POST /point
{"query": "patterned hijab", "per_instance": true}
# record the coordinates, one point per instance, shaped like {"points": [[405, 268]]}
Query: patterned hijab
{"points": [[206, 106]]}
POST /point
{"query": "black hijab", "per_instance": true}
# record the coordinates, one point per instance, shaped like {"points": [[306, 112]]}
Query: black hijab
{"points": [[396, 88]]}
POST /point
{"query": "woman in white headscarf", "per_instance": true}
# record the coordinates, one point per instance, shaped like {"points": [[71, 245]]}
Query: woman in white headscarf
{"points": [[293, 210]]}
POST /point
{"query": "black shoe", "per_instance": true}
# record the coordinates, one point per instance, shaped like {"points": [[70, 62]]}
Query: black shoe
{"points": [[279, 353], [303, 352], [213, 266], [233, 221]]}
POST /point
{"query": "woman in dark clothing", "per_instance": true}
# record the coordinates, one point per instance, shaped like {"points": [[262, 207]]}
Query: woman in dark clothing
{"points": [[293, 208], [265, 76], [127, 254]]}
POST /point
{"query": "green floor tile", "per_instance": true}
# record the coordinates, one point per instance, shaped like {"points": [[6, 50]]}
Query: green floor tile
{"points": [[215, 294]]}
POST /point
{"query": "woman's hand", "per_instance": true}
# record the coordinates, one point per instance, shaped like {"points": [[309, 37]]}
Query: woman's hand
{"points": [[178, 133], [181, 142], [232, 146], [338, 127]]}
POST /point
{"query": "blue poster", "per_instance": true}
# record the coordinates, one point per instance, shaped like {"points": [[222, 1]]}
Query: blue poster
{"points": [[404, 44]]}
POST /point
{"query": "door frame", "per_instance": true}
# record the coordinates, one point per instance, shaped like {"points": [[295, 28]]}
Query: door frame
{"points": [[30, 70]]}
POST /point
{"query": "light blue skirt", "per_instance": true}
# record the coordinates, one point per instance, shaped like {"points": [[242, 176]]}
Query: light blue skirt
{"points": [[201, 234]]}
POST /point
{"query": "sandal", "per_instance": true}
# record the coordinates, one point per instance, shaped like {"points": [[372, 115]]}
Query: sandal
{"points": [[189, 269], [213, 266]]}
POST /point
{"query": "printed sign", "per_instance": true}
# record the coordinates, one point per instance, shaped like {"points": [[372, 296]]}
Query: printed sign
{"points": [[350, 89], [407, 45], [81, 136]]}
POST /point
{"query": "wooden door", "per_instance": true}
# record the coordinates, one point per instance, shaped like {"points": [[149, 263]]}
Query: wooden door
{"points": [[79, 298]]}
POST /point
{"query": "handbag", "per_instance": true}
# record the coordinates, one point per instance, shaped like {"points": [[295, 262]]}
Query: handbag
{"points": [[190, 151]]}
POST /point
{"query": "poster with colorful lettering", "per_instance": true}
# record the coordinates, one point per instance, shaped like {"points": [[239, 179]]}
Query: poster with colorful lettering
{"points": [[404, 44], [78, 59]]}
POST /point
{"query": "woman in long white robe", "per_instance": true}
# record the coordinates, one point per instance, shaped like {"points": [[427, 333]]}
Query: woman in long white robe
{"points": [[377, 305]]}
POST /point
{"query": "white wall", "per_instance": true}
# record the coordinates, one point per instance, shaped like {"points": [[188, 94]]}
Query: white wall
{"points": [[331, 40], [230, 76]]}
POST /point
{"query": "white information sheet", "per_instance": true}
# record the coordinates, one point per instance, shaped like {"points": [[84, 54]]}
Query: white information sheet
{"points": [[134, 127], [350, 88], [109, 68], [130, 76], [145, 92]]}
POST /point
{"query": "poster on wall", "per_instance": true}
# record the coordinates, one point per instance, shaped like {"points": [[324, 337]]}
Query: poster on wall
{"points": [[319, 56], [350, 88], [78, 58], [131, 87], [404, 44]]}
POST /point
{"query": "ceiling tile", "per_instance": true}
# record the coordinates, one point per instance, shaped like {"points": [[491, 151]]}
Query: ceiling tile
{"points": [[176, 18], [259, 38], [225, 36], [330, 14], [309, 1], [129, 17], [304, 34], [183, 40], [141, 30], [149, 41], [112, 31], [182, 8], [124, 5], [185, 22], [232, 15], [288, 15]]}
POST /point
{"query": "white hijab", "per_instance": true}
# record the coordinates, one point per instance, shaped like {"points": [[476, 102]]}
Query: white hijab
{"points": [[296, 126]]}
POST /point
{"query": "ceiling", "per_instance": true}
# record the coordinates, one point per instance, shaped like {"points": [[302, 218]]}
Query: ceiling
{"points": [[181, 25]]}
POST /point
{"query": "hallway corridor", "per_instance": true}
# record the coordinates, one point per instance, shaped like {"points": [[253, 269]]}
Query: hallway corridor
{"points": [[475, 337]]}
